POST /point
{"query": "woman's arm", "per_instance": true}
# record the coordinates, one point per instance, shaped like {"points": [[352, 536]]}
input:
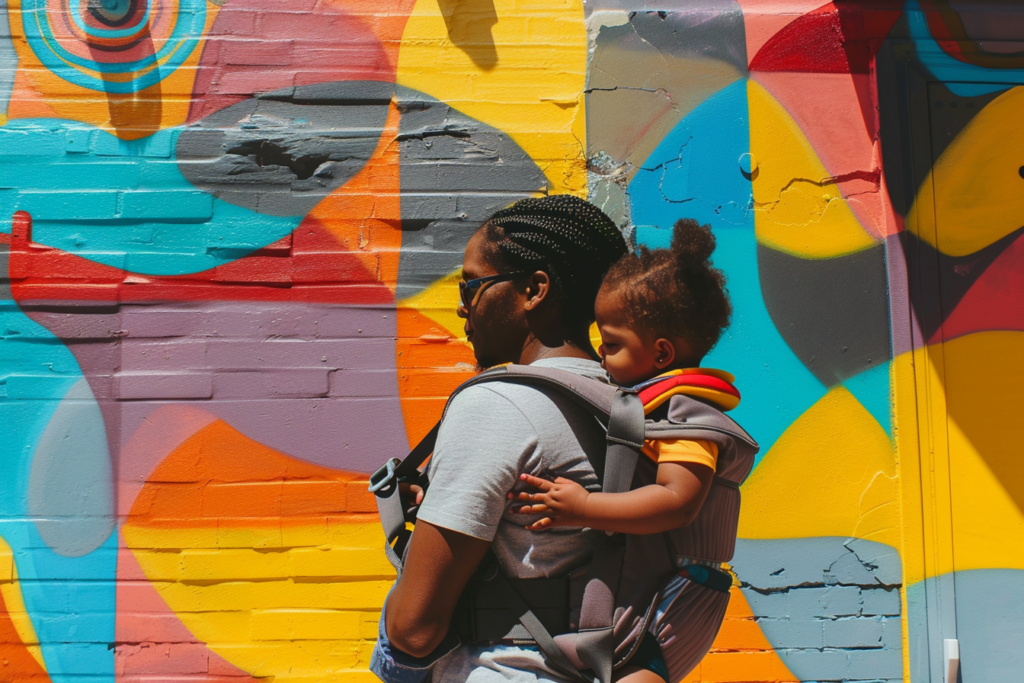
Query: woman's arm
{"points": [[437, 569], [672, 502]]}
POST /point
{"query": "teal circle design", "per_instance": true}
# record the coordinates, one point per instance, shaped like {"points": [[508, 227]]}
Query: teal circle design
{"points": [[179, 45]]}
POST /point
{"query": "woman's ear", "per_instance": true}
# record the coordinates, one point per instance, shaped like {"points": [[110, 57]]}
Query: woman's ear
{"points": [[537, 289], [664, 353]]}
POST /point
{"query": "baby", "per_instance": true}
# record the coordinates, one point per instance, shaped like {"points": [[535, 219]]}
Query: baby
{"points": [[659, 312]]}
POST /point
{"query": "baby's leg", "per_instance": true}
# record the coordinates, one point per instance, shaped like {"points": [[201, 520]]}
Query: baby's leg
{"points": [[636, 674]]}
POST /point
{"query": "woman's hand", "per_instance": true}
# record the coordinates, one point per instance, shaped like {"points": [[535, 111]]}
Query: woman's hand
{"points": [[563, 501], [410, 493]]}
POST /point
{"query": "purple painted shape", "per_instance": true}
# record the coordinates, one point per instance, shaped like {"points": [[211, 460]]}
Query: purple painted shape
{"points": [[289, 375]]}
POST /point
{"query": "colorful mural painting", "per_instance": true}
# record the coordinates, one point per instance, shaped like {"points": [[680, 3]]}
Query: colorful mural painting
{"points": [[230, 235]]}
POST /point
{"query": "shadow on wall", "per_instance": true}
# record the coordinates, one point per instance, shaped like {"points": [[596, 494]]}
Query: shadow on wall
{"points": [[469, 25]]}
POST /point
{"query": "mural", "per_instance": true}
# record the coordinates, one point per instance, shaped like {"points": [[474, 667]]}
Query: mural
{"points": [[231, 233]]}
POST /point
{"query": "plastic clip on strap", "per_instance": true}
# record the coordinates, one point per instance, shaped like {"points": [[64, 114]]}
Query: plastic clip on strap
{"points": [[384, 484]]}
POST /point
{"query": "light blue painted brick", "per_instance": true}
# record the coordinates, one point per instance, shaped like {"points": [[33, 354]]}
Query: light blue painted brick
{"points": [[874, 664], [68, 206], [849, 570], [167, 205], [853, 632], [87, 173], [88, 627], [831, 601], [76, 140], [15, 143], [81, 659], [27, 386], [818, 665], [158, 146], [880, 601], [892, 631], [768, 604], [796, 633]]}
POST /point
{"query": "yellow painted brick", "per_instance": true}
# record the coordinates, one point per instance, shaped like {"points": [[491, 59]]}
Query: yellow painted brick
{"points": [[359, 595], [338, 562], [306, 625], [137, 536], [299, 658], [246, 595], [231, 564], [243, 535], [159, 565], [311, 534], [231, 626]]}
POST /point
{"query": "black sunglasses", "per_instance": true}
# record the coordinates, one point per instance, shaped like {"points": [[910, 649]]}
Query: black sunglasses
{"points": [[468, 289]]}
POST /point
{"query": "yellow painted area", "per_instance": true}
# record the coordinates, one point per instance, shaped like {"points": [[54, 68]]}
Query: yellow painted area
{"points": [[984, 382], [519, 67], [10, 591], [439, 302], [288, 612], [797, 208], [975, 186], [39, 92], [832, 473]]}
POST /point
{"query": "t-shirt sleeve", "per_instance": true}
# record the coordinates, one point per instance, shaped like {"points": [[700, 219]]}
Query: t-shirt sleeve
{"points": [[678, 450], [481, 447]]}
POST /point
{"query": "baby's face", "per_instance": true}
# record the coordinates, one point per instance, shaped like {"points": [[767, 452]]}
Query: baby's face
{"points": [[626, 353]]}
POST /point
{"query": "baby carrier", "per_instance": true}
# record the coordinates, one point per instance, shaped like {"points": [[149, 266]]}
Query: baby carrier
{"points": [[591, 622]]}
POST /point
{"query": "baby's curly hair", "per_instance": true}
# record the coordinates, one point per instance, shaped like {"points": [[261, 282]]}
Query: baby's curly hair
{"points": [[676, 292]]}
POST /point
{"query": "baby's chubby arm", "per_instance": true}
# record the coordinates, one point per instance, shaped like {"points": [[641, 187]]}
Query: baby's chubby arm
{"points": [[673, 501]]}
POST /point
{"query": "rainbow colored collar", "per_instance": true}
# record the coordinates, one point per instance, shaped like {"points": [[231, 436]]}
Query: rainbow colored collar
{"points": [[709, 384]]}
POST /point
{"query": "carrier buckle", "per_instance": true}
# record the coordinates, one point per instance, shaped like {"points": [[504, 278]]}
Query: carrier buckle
{"points": [[384, 475]]}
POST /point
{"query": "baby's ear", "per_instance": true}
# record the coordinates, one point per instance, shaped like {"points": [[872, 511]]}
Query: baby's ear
{"points": [[664, 353]]}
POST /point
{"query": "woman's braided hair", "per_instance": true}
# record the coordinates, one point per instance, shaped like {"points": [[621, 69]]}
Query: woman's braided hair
{"points": [[571, 240], [676, 292]]}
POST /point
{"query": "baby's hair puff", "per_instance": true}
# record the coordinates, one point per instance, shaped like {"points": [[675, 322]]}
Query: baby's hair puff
{"points": [[675, 292]]}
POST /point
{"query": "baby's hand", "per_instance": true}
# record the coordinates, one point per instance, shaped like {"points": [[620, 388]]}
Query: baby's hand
{"points": [[563, 501]]}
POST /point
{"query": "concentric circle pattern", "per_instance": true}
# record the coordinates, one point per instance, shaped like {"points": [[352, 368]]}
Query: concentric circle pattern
{"points": [[113, 46]]}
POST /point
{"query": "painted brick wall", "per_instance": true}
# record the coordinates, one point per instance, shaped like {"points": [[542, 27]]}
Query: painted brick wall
{"points": [[230, 235]]}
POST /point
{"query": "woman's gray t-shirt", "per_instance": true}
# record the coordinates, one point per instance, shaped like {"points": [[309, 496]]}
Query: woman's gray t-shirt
{"points": [[491, 434]]}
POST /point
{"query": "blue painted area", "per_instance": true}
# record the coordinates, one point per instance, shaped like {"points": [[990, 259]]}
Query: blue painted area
{"points": [[989, 624], [36, 372], [963, 79], [111, 205], [189, 22], [696, 173], [829, 606], [871, 389]]}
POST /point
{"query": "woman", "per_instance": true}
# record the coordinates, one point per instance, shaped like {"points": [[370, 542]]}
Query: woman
{"points": [[531, 275]]}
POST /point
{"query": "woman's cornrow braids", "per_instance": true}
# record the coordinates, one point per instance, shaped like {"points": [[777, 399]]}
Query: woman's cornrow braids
{"points": [[571, 240]]}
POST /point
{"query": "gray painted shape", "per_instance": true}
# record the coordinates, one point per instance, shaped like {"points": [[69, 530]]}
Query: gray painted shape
{"points": [[802, 589], [833, 313], [8, 60], [282, 152], [455, 173], [713, 30], [71, 487]]}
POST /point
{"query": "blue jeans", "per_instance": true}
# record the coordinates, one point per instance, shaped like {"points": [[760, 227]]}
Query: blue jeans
{"points": [[394, 666]]}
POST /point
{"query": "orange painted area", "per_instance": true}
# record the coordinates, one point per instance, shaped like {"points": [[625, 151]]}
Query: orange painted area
{"points": [[364, 215], [221, 477], [16, 662], [39, 92], [431, 364], [741, 653]]}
